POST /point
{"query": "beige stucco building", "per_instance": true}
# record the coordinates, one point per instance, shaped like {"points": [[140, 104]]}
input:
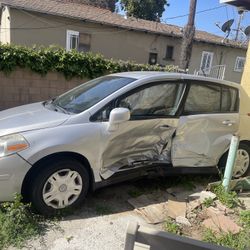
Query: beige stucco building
{"points": [[87, 28], [246, 73]]}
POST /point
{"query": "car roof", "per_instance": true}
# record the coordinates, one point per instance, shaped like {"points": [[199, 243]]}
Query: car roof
{"points": [[154, 75]]}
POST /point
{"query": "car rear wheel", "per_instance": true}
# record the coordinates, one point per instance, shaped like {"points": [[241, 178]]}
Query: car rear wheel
{"points": [[242, 163], [59, 185]]}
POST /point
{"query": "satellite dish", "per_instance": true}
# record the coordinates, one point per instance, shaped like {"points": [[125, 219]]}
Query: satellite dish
{"points": [[226, 27], [247, 31]]}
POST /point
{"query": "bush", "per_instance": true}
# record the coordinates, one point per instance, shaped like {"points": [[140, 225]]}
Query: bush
{"points": [[70, 63], [171, 227], [18, 223], [238, 241], [230, 199]]}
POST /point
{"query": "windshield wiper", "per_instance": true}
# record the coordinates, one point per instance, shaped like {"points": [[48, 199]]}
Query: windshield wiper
{"points": [[55, 106]]}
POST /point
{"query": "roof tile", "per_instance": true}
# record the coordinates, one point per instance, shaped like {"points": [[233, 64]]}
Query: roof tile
{"points": [[90, 13]]}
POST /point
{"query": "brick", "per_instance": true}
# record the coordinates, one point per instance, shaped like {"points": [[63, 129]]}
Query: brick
{"points": [[212, 211], [41, 83], [221, 223], [183, 221], [196, 199], [52, 76], [176, 208], [34, 91], [56, 84], [17, 74], [22, 82]]}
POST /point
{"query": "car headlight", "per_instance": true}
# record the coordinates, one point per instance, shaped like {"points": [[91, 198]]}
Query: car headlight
{"points": [[11, 144]]}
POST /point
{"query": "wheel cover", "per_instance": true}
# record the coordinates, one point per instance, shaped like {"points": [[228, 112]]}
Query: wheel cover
{"points": [[62, 188], [241, 163]]}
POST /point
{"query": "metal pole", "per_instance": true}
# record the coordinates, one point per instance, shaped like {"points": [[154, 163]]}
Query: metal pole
{"points": [[188, 37], [241, 14], [230, 162]]}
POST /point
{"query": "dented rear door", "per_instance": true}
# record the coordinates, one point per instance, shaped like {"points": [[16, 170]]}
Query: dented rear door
{"points": [[210, 118]]}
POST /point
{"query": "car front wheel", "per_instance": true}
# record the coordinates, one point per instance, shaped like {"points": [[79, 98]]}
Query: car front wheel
{"points": [[61, 184]]}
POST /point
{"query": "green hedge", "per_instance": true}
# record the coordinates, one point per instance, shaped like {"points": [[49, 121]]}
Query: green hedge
{"points": [[71, 64]]}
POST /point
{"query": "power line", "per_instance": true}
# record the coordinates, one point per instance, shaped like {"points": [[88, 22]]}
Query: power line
{"points": [[53, 27], [198, 12]]}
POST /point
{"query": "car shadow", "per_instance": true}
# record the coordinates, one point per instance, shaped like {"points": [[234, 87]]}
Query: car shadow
{"points": [[114, 199]]}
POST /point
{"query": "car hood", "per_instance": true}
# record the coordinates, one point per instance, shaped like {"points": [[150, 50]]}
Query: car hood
{"points": [[29, 117]]}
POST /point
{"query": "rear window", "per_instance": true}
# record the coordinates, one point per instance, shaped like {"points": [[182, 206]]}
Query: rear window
{"points": [[210, 98]]}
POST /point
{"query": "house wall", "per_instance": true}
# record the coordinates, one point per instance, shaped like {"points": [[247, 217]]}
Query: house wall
{"points": [[222, 56], [23, 86], [115, 43], [111, 42]]}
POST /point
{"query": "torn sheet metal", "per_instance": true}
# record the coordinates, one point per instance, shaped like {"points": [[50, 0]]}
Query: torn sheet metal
{"points": [[201, 140], [137, 143]]}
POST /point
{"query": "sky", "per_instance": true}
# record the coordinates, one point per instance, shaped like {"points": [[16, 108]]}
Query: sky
{"points": [[206, 20]]}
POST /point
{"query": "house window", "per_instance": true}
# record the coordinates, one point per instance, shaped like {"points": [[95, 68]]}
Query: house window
{"points": [[206, 61], [169, 53], [72, 41], [152, 58], [84, 42], [239, 64]]}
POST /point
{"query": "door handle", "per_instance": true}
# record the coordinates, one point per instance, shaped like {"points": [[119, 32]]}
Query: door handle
{"points": [[228, 123], [164, 127]]}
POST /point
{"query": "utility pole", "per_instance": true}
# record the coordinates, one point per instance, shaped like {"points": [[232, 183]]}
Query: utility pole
{"points": [[188, 37], [241, 14]]}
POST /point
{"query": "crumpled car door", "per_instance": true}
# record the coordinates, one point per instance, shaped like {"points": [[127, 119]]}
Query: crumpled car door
{"points": [[147, 137]]}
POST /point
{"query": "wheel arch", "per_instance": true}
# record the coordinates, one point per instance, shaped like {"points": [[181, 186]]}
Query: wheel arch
{"points": [[55, 156], [245, 142], [223, 158]]}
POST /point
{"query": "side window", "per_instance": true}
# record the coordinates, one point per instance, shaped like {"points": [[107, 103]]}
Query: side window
{"points": [[154, 101], [230, 100], [203, 98], [209, 98]]}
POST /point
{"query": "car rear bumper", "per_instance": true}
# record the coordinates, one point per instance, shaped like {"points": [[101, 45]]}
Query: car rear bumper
{"points": [[12, 172]]}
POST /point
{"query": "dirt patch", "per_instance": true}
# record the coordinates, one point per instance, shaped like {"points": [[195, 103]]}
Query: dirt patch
{"points": [[102, 221]]}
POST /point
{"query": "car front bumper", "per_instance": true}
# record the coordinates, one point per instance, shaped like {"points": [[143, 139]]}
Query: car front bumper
{"points": [[12, 172]]}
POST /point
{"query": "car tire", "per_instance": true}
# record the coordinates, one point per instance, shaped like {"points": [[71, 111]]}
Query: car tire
{"points": [[61, 184], [242, 165]]}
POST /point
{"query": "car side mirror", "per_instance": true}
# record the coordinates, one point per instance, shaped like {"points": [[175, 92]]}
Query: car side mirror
{"points": [[118, 116]]}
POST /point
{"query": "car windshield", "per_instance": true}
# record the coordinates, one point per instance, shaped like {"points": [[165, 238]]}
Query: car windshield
{"points": [[88, 94]]}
